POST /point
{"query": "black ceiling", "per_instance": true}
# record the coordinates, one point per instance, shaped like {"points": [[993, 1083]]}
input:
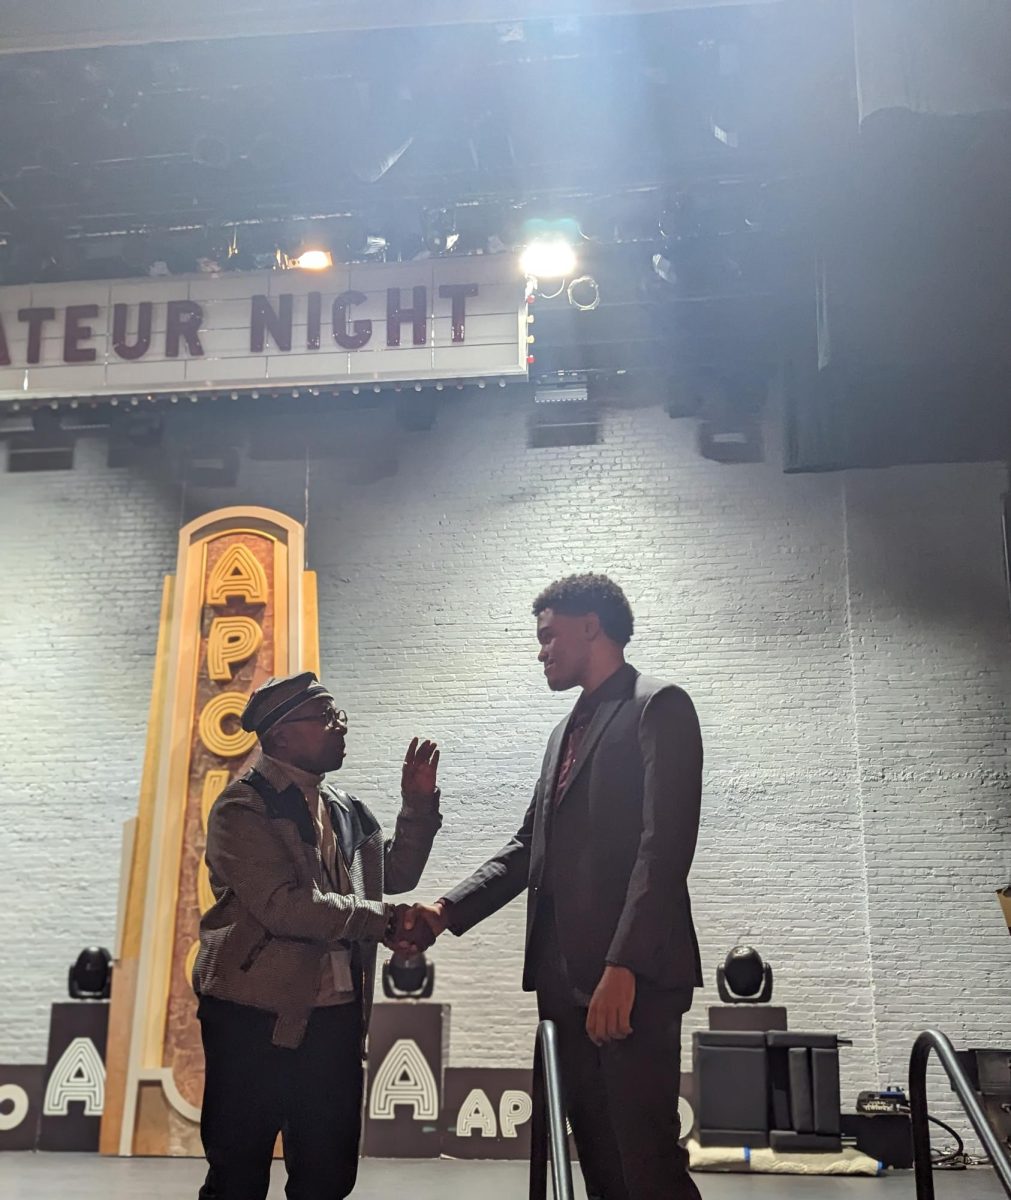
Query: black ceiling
{"points": [[240, 141]]}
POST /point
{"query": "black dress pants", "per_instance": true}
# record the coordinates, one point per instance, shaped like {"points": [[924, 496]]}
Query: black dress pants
{"points": [[254, 1090], [622, 1098]]}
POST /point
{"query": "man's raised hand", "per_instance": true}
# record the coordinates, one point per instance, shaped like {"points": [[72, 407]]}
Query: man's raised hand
{"points": [[421, 767]]}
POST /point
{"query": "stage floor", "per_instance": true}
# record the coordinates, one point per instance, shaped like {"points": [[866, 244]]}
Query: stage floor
{"points": [[89, 1177]]}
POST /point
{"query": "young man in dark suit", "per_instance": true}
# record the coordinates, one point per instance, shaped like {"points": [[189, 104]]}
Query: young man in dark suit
{"points": [[604, 853]]}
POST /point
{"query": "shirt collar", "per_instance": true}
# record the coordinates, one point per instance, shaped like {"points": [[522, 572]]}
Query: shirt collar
{"points": [[281, 775], [613, 688]]}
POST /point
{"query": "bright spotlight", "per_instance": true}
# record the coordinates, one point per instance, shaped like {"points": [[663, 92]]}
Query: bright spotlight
{"points": [[314, 260], [548, 258]]}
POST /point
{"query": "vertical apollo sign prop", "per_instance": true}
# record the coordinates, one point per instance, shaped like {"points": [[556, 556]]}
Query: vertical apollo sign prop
{"points": [[239, 609]]}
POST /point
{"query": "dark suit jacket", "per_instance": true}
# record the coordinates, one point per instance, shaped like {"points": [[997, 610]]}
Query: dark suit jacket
{"points": [[620, 841]]}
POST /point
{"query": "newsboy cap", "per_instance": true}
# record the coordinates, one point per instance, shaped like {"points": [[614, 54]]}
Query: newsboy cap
{"points": [[274, 700]]}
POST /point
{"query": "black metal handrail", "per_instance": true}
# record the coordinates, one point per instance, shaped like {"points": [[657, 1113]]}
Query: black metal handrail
{"points": [[548, 1128], [929, 1040]]}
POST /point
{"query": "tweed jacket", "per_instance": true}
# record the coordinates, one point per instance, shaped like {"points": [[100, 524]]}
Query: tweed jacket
{"points": [[612, 848], [262, 940]]}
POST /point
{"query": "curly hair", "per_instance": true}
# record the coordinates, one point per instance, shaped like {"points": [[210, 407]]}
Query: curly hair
{"points": [[577, 595]]}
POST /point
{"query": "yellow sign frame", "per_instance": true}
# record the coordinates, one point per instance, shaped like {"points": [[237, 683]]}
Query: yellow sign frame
{"points": [[146, 1112]]}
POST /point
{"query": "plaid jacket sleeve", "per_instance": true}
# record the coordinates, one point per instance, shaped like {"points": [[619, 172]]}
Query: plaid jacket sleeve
{"points": [[246, 855], [406, 853]]}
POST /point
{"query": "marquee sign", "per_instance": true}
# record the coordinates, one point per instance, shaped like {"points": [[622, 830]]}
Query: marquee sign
{"points": [[436, 319], [73, 1093], [239, 610]]}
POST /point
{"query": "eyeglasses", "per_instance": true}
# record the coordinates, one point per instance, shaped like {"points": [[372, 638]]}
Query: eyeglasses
{"points": [[329, 718]]}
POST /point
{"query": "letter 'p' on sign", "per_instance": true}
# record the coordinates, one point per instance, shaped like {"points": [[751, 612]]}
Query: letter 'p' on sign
{"points": [[487, 1112]]}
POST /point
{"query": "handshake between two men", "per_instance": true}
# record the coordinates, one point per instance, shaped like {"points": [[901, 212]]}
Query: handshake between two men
{"points": [[614, 963], [416, 928]]}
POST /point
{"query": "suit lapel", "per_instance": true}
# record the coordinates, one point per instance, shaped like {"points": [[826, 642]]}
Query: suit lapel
{"points": [[551, 763], [600, 720]]}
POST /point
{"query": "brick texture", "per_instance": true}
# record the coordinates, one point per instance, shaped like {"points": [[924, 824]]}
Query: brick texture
{"points": [[844, 637]]}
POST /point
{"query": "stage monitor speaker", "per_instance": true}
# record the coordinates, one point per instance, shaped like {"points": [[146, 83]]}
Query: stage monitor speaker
{"points": [[732, 1087], [887, 1138], [804, 1075], [989, 1070]]}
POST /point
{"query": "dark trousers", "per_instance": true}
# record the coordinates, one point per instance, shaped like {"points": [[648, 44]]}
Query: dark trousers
{"points": [[254, 1090], [622, 1098]]}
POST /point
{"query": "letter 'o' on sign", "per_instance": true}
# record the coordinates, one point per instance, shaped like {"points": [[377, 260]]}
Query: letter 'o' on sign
{"points": [[687, 1117], [214, 736], [17, 1098], [239, 575]]}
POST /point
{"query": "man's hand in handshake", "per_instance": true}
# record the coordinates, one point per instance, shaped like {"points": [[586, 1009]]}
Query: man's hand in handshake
{"points": [[417, 927]]}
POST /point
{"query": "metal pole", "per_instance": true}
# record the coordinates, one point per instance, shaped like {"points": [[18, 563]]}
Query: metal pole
{"points": [[539, 1131], [929, 1040], [548, 1128], [922, 1164]]}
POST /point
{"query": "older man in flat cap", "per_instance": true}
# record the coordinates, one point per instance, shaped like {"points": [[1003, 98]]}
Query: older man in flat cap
{"points": [[287, 954]]}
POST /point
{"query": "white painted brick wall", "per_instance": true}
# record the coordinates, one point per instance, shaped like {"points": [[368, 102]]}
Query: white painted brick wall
{"points": [[82, 555], [932, 678], [844, 637]]}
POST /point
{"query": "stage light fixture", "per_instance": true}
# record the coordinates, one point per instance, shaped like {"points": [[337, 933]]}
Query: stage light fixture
{"points": [[408, 977], [439, 231], [313, 260], [664, 268], [239, 257], [744, 978], [583, 294], [91, 976], [549, 257]]}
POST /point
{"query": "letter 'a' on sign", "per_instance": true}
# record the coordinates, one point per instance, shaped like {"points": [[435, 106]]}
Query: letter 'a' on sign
{"points": [[237, 574], [404, 1078], [476, 1112], [240, 609], [78, 1075]]}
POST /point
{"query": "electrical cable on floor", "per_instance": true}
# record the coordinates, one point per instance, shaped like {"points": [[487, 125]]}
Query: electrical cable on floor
{"points": [[952, 1160], [955, 1159]]}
